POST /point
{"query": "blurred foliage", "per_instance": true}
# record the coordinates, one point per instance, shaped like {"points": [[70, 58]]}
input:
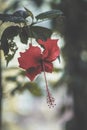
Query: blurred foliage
{"points": [[33, 88], [38, 2], [18, 78], [21, 85]]}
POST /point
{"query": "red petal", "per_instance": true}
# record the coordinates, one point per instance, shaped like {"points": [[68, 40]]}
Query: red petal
{"points": [[48, 66], [51, 47], [33, 72], [30, 58]]}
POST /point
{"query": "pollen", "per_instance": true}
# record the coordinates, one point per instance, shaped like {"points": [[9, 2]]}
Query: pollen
{"points": [[50, 100]]}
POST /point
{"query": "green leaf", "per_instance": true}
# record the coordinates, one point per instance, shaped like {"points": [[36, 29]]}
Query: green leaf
{"points": [[8, 58], [33, 88], [49, 14], [29, 12], [24, 34], [13, 49], [58, 70], [8, 34], [11, 32], [40, 32], [5, 46]]}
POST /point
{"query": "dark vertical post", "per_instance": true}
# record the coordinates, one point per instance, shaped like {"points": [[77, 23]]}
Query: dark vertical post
{"points": [[75, 54], [0, 97]]}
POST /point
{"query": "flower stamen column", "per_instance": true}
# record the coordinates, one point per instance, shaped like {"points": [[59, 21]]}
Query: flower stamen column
{"points": [[50, 99]]}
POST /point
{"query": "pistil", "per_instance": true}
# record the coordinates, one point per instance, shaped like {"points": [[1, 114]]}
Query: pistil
{"points": [[50, 99]]}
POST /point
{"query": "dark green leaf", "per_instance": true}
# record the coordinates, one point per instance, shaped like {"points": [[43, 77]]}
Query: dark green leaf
{"points": [[24, 34], [8, 58], [17, 17], [36, 32], [5, 46], [8, 34], [49, 14], [13, 49], [11, 32], [40, 32]]}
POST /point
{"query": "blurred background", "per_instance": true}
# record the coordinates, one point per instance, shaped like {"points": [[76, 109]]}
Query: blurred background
{"points": [[23, 104]]}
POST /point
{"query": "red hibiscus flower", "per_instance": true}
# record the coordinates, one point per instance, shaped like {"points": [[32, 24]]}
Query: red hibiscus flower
{"points": [[35, 61]]}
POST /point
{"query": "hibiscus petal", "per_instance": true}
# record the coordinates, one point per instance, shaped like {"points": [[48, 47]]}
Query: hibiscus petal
{"points": [[33, 72], [51, 47], [30, 58], [48, 66]]}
